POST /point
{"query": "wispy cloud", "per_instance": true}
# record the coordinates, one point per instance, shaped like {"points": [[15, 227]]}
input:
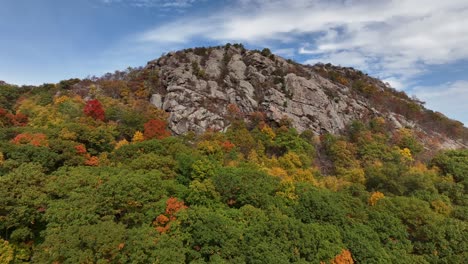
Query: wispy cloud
{"points": [[286, 52], [393, 39], [154, 3]]}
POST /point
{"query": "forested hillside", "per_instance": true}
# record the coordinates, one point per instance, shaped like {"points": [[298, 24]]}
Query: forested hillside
{"points": [[88, 178]]}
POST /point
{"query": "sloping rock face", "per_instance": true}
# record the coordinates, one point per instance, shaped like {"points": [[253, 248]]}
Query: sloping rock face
{"points": [[198, 88], [197, 85]]}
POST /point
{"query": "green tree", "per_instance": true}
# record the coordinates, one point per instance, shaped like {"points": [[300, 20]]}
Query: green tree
{"points": [[240, 186], [23, 201]]}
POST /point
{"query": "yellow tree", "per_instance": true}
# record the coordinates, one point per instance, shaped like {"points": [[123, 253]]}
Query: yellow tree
{"points": [[375, 196], [121, 143], [138, 137], [6, 252]]}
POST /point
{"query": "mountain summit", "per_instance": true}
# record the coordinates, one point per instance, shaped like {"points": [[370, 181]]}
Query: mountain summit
{"points": [[89, 171], [196, 86]]}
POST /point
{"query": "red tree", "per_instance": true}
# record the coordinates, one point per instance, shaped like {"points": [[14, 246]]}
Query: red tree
{"points": [[163, 221], [80, 149], [156, 129], [93, 108], [37, 139], [227, 145], [9, 119], [20, 119]]}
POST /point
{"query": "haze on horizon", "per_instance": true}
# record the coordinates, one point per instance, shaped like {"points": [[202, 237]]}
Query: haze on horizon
{"points": [[417, 47]]}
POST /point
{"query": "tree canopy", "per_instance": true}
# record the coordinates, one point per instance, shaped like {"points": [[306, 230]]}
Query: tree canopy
{"points": [[101, 180]]}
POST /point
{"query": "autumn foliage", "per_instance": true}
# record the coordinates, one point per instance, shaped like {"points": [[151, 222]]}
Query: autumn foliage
{"points": [[344, 257], [156, 129], [37, 140], [92, 161], [138, 137], [9, 119], [81, 186], [93, 108], [163, 221], [375, 196], [227, 145], [121, 143], [80, 149], [89, 160]]}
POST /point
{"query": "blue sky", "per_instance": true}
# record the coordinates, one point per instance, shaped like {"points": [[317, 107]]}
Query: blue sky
{"points": [[418, 46]]}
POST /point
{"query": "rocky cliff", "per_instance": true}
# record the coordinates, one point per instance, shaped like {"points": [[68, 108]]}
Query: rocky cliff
{"points": [[196, 86]]}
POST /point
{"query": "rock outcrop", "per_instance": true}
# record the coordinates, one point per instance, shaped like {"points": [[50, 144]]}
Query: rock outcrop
{"points": [[198, 89], [197, 85]]}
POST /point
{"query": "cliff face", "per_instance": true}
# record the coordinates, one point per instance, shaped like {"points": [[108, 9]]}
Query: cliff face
{"points": [[197, 85]]}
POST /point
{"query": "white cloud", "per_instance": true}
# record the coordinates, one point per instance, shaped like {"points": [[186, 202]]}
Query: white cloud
{"points": [[287, 52], [154, 3], [395, 39], [449, 98], [394, 82], [347, 58], [177, 32]]}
